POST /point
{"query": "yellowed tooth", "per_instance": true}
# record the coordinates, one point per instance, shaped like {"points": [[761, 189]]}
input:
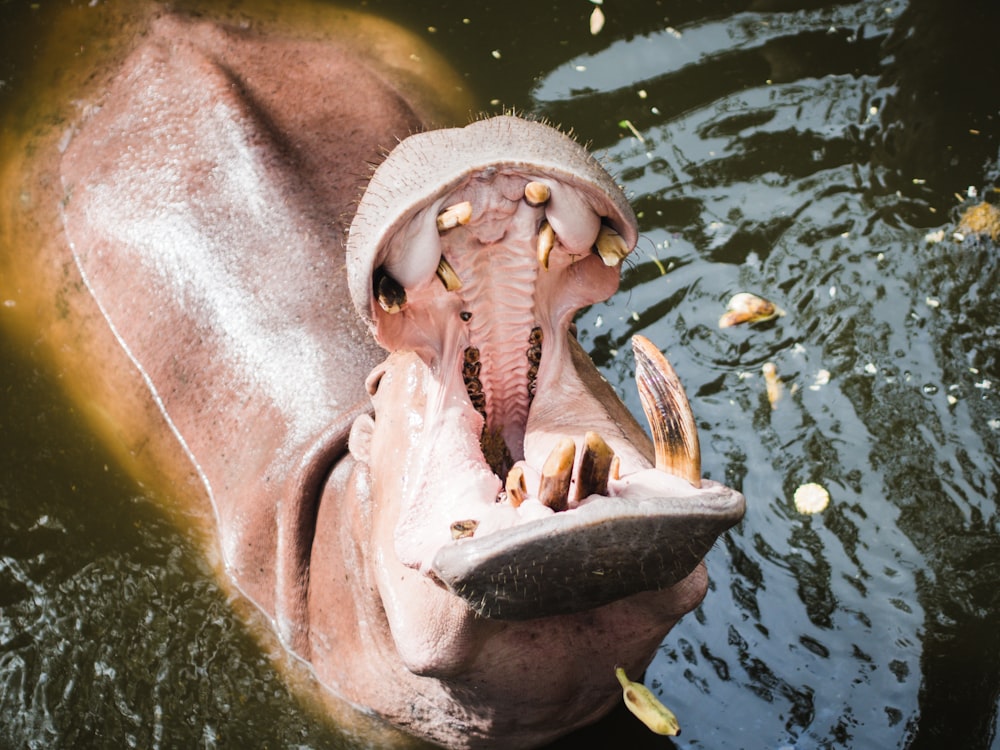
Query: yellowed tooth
{"points": [[675, 435], [390, 294], [515, 486], [611, 246], [553, 490], [537, 194], [448, 276], [647, 707], [616, 468], [546, 241], [454, 216], [595, 466], [464, 529]]}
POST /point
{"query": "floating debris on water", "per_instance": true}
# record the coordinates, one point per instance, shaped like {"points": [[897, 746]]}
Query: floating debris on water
{"points": [[822, 378], [748, 308], [811, 498], [627, 124], [775, 388], [983, 220], [647, 707], [596, 21]]}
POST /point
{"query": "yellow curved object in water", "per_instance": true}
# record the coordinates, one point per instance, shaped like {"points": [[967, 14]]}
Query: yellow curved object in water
{"points": [[647, 707]]}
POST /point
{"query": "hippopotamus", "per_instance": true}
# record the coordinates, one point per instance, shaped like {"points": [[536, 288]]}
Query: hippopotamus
{"points": [[339, 336]]}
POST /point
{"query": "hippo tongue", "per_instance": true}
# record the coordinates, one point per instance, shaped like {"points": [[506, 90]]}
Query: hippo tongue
{"points": [[649, 532]]}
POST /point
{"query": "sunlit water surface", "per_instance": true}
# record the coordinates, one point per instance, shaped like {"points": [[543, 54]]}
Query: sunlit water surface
{"points": [[810, 152]]}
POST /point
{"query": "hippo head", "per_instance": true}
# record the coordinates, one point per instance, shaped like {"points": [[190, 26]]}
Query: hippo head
{"points": [[509, 483], [503, 533]]}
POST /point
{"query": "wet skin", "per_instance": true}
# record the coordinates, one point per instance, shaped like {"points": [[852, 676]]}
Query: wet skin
{"points": [[193, 271]]}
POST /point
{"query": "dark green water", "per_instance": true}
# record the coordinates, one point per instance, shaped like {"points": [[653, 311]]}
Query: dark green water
{"points": [[803, 150]]}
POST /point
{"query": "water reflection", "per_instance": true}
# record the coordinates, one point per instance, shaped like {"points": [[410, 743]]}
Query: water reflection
{"points": [[755, 167], [112, 632], [802, 150]]}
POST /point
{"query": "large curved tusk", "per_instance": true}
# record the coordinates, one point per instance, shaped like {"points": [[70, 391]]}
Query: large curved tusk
{"points": [[675, 435]]}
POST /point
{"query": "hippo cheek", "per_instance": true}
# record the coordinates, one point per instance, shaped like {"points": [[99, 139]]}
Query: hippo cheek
{"points": [[510, 481]]}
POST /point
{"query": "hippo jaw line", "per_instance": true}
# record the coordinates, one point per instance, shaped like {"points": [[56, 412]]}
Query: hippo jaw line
{"points": [[505, 497]]}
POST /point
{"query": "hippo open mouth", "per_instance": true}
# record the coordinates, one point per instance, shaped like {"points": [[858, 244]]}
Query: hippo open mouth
{"points": [[523, 485]]}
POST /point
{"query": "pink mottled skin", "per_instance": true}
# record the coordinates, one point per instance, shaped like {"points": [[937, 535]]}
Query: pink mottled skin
{"points": [[423, 656], [190, 275]]}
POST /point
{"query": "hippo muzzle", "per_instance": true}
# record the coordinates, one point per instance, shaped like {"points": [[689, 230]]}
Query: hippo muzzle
{"points": [[517, 480]]}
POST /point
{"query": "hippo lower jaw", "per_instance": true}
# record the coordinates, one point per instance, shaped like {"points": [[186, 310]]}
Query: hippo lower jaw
{"points": [[520, 483], [592, 523], [571, 528]]}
